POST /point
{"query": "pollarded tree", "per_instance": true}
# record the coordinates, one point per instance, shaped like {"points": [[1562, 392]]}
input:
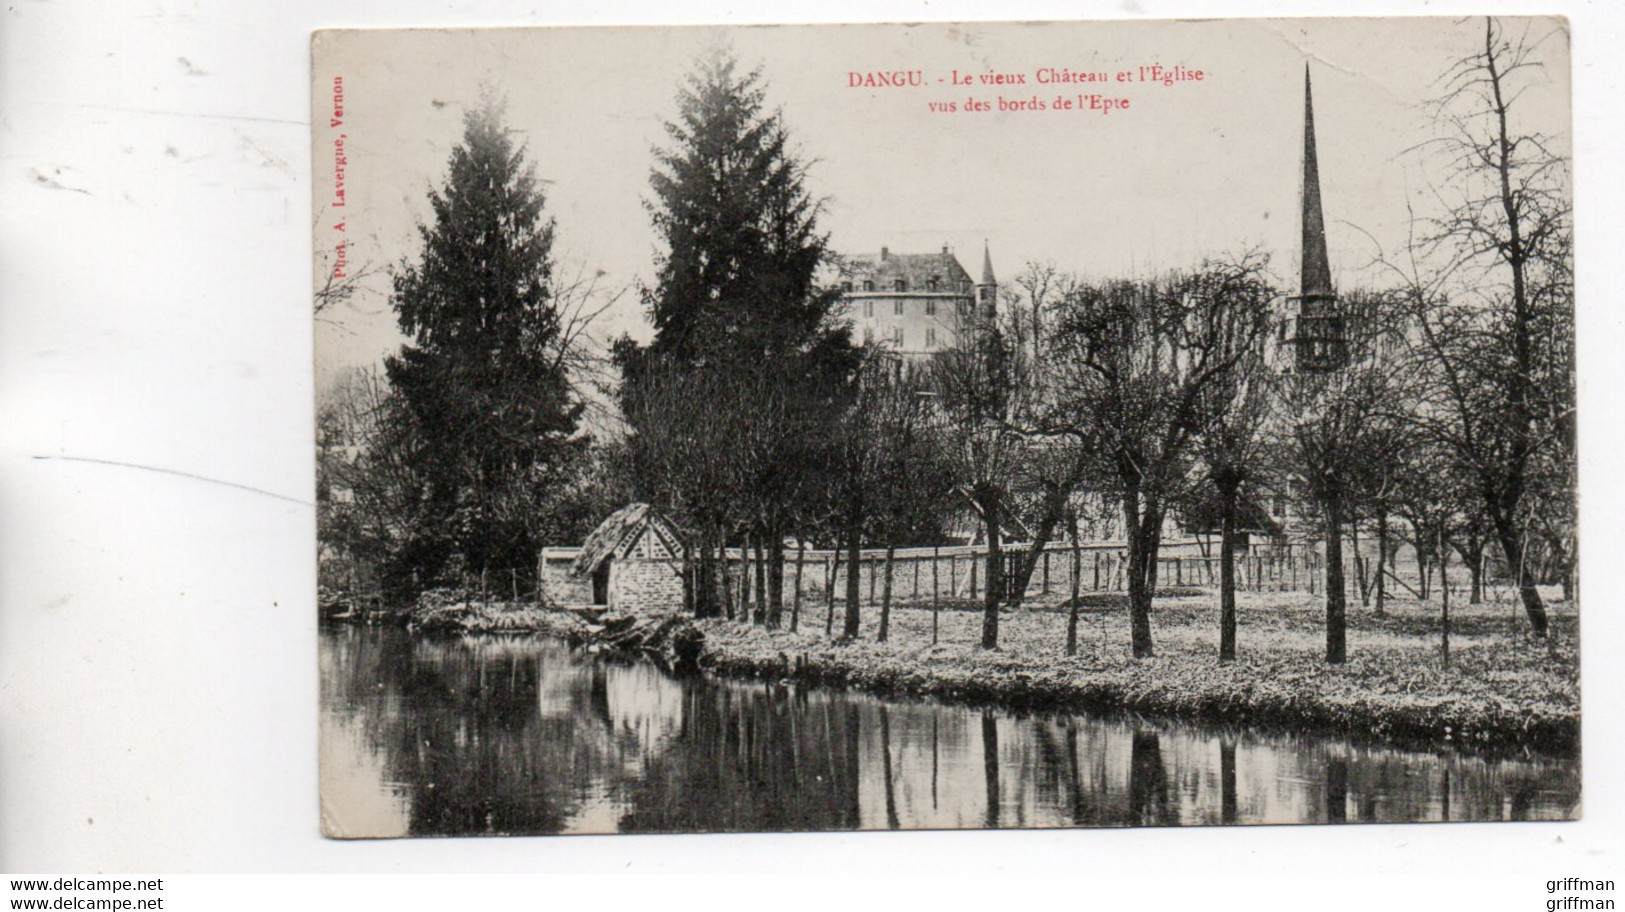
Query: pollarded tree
{"points": [[1233, 452], [1342, 429], [1134, 363], [981, 440], [482, 376]]}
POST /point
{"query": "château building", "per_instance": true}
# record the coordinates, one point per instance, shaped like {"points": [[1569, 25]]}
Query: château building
{"points": [[916, 304]]}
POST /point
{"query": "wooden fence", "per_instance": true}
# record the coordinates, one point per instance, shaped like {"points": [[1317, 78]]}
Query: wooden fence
{"points": [[959, 571]]}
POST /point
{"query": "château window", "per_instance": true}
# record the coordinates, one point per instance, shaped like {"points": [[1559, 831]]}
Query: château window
{"points": [[900, 285], [930, 308], [897, 336], [897, 307], [868, 284], [846, 287], [868, 308], [931, 283], [931, 338]]}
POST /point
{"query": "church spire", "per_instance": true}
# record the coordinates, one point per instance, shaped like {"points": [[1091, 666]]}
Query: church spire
{"points": [[1317, 273], [987, 266], [1320, 342]]}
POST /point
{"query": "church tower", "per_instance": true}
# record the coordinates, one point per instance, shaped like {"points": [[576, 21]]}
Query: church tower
{"points": [[1319, 342]]}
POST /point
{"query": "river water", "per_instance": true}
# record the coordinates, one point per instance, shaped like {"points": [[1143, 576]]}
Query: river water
{"points": [[494, 734]]}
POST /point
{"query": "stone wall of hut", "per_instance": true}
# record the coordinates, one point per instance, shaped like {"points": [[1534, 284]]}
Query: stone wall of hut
{"points": [[646, 585]]}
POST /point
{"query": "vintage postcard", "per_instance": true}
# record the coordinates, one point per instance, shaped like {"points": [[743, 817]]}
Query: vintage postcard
{"points": [[945, 425]]}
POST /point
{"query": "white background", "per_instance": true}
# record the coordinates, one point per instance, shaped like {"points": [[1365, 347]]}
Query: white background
{"points": [[157, 628]]}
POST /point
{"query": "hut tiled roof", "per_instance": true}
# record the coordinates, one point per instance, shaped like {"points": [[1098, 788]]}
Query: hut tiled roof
{"points": [[620, 531]]}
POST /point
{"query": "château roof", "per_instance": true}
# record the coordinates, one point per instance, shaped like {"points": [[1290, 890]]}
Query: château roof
{"points": [[916, 268]]}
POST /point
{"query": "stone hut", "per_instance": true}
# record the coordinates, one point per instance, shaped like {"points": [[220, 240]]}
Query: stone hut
{"points": [[634, 561]]}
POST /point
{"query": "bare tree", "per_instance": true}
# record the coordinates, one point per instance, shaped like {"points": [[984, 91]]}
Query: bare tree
{"points": [[1234, 456], [980, 438], [1134, 361], [1490, 285], [370, 499], [1041, 286], [1339, 428]]}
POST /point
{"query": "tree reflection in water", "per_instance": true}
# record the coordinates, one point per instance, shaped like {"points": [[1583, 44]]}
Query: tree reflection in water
{"points": [[525, 735]]}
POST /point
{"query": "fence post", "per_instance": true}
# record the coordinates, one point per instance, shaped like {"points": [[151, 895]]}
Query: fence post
{"points": [[936, 554]]}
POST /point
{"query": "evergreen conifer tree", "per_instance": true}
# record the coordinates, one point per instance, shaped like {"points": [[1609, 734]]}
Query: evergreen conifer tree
{"points": [[737, 310], [487, 395]]}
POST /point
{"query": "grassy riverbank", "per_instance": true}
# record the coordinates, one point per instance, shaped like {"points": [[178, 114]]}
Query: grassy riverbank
{"points": [[1501, 689]]}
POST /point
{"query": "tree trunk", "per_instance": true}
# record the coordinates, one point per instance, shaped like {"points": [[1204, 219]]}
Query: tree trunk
{"points": [[995, 558], [1382, 564], [761, 579], [853, 580], [1444, 593], [1512, 546], [1153, 553], [1424, 562], [1336, 604], [1570, 572], [744, 580], [795, 604], [1139, 597], [727, 581], [1055, 500], [1077, 582], [1227, 574], [1474, 556], [775, 581], [1359, 565], [712, 603], [834, 574], [885, 594]]}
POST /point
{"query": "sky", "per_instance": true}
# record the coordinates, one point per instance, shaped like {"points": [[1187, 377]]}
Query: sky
{"points": [[1196, 169]]}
